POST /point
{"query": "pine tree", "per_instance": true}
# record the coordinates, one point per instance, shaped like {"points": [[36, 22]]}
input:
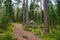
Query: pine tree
{"points": [[26, 13], [0, 8], [9, 10], [58, 11], [46, 16], [23, 11]]}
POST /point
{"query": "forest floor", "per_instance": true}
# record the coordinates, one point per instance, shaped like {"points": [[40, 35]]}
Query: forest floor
{"points": [[21, 34]]}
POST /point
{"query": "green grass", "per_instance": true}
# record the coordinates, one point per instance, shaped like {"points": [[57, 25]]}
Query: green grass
{"points": [[8, 33], [54, 33]]}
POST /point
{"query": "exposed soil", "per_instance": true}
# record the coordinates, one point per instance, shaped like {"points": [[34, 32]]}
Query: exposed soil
{"points": [[21, 34]]}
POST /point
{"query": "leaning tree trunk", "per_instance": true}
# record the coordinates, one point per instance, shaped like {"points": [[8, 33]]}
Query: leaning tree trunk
{"points": [[26, 13], [46, 16], [23, 11], [0, 8]]}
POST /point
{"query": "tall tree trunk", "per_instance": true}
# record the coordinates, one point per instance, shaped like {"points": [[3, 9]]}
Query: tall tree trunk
{"points": [[17, 14], [9, 10], [46, 16], [0, 8], [23, 11], [26, 13], [37, 13], [41, 12]]}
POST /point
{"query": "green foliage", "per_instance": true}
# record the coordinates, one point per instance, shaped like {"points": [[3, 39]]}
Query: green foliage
{"points": [[27, 29], [58, 12], [4, 22], [19, 16], [36, 31], [1, 31], [54, 33], [31, 13], [58, 36], [58, 7], [57, 31], [8, 36], [54, 20], [52, 14], [9, 9]]}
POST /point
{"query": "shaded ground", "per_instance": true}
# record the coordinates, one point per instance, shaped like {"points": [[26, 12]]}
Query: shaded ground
{"points": [[21, 34]]}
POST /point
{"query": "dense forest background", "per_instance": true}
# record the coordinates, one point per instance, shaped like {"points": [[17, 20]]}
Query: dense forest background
{"points": [[44, 14]]}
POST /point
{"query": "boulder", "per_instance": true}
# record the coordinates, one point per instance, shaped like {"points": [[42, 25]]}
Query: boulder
{"points": [[32, 24]]}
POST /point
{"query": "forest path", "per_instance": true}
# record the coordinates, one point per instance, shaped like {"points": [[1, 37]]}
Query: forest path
{"points": [[21, 34]]}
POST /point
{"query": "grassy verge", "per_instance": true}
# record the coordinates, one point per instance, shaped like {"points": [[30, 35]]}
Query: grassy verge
{"points": [[7, 34], [54, 33]]}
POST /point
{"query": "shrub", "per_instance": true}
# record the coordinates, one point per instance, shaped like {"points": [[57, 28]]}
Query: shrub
{"points": [[58, 35], [8, 36], [4, 22]]}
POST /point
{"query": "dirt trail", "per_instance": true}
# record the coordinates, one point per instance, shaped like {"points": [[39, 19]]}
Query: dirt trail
{"points": [[21, 34]]}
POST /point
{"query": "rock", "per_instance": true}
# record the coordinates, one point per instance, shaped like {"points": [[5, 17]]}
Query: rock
{"points": [[32, 24]]}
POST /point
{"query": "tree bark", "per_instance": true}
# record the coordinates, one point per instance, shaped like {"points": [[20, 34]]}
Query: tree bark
{"points": [[26, 13], [46, 16], [0, 8], [41, 12], [37, 13], [17, 14], [23, 11]]}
